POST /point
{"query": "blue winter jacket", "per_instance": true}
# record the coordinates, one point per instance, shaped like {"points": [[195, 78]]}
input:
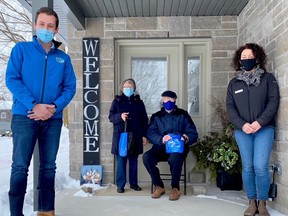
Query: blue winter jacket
{"points": [[34, 76]]}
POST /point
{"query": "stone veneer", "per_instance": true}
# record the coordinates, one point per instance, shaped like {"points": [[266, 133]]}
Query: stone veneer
{"points": [[264, 22], [222, 31]]}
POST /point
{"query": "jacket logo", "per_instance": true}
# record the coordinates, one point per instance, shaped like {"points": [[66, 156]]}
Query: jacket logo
{"points": [[59, 60], [238, 91]]}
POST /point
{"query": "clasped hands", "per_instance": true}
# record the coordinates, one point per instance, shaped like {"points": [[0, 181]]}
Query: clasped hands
{"points": [[41, 112], [251, 128]]}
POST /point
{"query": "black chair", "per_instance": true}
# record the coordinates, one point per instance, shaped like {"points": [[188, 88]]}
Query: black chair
{"points": [[167, 176]]}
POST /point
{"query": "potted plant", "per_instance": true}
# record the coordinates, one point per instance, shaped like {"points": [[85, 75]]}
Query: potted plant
{"points": [[218, 152]]}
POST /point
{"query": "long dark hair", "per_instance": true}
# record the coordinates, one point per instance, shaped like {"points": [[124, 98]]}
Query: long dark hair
{"points": [[258, 51]]}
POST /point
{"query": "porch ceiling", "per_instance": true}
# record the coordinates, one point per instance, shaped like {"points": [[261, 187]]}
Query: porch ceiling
{"points": [[147, 8], [78, 10], [81, 9]]}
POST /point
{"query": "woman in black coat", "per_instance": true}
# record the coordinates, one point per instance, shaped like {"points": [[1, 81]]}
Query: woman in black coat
{"points": [[252, 103], [130, 108]]}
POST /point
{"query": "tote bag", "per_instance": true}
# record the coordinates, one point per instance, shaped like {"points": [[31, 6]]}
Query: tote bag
{"points": [[126, 142]]}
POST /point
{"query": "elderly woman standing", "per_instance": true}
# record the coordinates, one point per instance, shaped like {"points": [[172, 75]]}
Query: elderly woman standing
{"points": [[252, 103], [128, 107]]}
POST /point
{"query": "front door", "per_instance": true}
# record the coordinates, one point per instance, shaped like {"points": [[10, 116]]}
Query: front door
{"points": [[179, 65]]}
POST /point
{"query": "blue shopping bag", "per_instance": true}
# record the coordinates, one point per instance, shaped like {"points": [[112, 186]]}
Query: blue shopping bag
{"points": [[123, 144], [175, 145], [126, 142]]}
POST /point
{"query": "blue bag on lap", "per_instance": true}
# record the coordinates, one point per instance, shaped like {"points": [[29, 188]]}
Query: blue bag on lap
{"points": [[175, 145]]}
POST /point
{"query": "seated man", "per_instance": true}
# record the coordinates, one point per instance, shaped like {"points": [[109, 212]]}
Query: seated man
{"points": [[170, 119]]}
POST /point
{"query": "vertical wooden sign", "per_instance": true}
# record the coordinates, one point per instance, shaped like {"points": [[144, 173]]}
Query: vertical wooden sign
{"points": [[91, 139]]}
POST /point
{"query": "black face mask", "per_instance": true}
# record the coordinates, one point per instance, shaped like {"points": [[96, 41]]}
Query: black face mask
{"points": [[248, 64]]}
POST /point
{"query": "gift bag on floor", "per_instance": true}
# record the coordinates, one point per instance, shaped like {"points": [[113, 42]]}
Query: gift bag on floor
{"points": [[126, 142]]}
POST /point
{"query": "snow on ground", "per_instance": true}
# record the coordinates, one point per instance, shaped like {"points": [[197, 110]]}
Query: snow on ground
{"points": [[62, 175], [63, 181]]}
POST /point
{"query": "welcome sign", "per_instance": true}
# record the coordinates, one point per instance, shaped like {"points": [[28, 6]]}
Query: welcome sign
{"points": [[91, 142]]}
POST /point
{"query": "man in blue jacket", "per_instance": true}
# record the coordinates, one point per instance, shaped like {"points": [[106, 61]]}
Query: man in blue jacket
{"points": [[42, 81], [169, 120]]}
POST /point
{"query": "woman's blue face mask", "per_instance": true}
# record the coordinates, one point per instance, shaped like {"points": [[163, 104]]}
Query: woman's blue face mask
{"points": [[128, 92]]}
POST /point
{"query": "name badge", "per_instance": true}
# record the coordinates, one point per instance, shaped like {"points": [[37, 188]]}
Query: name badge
{"points": [[238, 91]]}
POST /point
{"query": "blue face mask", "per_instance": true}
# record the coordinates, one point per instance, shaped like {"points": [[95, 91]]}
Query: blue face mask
{"points": [[46, 36], [169, 105], [128, 91]]}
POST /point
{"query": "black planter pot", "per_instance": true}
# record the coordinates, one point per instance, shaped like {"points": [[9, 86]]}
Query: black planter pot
{"points": [[226, 181]]}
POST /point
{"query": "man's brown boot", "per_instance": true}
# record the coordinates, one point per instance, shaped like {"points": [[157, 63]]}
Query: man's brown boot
{"points": [[175, 194], [262, 208], [252, 209], [158, 192], [49, 213]]}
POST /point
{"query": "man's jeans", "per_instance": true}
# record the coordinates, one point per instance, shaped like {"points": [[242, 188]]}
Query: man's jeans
{"points": [[255, 150], [25, 133]]}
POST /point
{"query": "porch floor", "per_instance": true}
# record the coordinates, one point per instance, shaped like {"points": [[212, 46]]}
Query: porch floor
{"points": [[200, 200]]}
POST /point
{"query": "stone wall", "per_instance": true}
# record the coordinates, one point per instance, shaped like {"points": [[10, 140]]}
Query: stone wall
{"points": [[222, 31], [266, 23]]}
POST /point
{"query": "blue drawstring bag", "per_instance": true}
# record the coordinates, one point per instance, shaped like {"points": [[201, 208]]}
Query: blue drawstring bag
{"points": [[175, 145]]}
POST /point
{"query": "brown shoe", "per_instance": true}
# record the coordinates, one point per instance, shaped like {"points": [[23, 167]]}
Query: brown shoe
{"points": [[158, 192], [175, 194], [252, 209], [49, 213], [262, 208]]}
